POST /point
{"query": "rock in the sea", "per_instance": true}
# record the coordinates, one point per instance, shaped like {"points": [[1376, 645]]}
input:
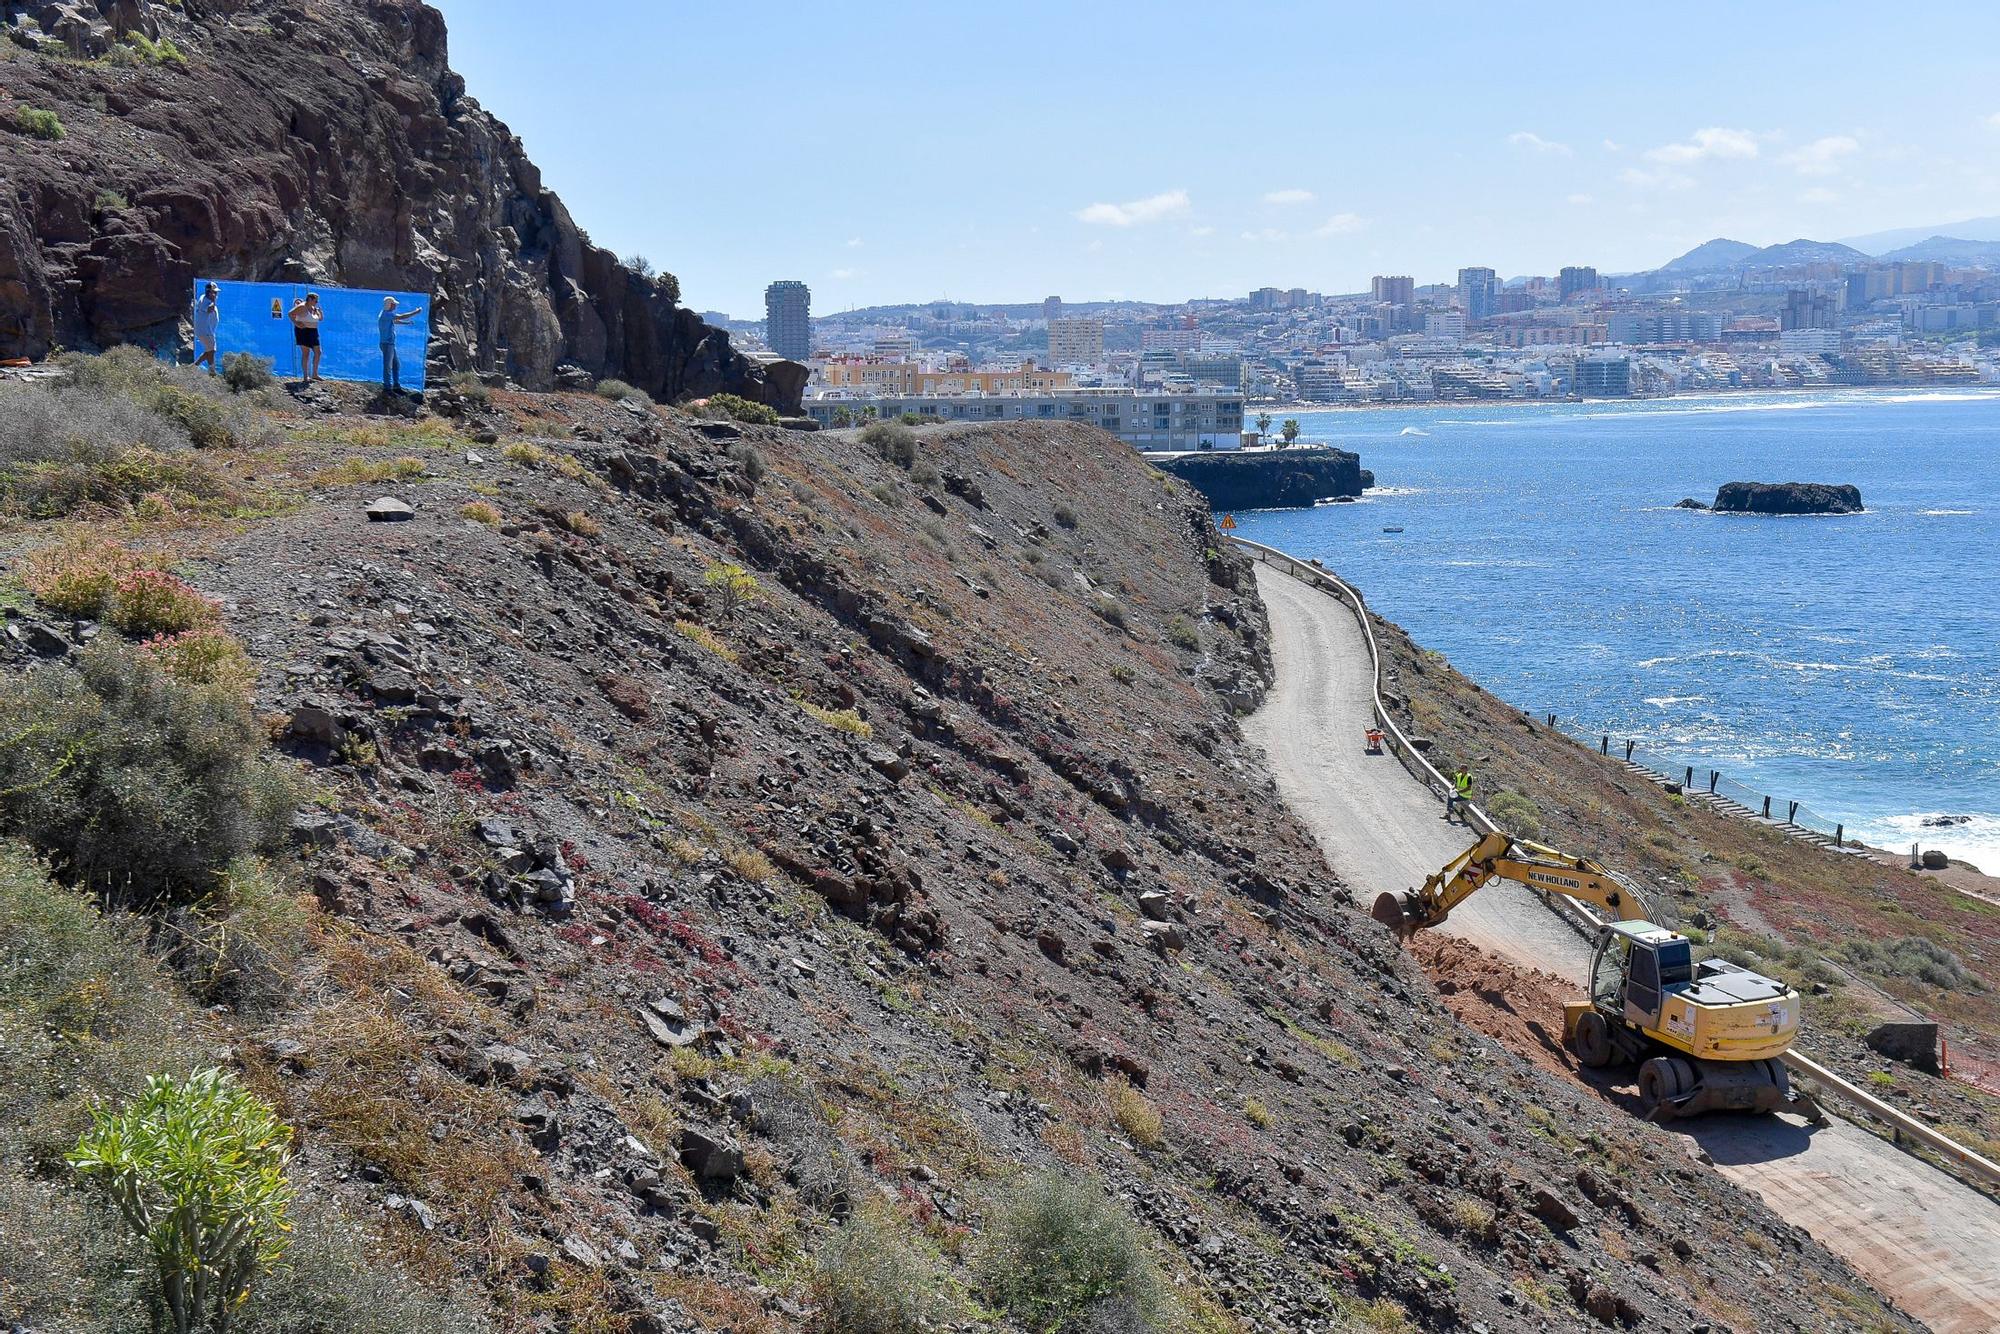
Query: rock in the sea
{"points": [[1787, 498], [1689, 503], [1272, 479]]}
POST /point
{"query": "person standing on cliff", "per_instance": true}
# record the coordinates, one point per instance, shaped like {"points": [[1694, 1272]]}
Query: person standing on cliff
{"points": [[207, 318], [1460, 797], [392, 365], [306, 317]]}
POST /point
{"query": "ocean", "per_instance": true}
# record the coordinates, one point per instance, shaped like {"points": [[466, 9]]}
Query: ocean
{"points": [[1848, 662]]}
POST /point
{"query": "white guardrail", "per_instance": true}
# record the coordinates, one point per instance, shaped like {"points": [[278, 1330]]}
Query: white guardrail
{"points": [[1580, 915]]}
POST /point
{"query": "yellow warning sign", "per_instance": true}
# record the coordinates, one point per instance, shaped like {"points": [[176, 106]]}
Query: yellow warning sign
{"points": [[1229, 523], [277, 309]]}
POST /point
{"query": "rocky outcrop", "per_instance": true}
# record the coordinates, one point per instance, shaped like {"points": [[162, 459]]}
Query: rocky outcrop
{"points": [[1786, 498], [1272, 479], [326, 143]]}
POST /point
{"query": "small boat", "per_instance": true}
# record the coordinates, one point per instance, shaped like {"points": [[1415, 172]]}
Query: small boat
{"points": [[1393, 528]]}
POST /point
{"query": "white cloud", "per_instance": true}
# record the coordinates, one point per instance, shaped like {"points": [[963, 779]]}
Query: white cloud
{"points": [[1292, 196], [1340, 224], [853, 243], [843, 274], [1713, 142], [1581, 200], [1822, 157], [1153, 208], [1613, 146], [1530, 140], [1819, 194], [1201, 231], [1267, 234], [1994, 120]]}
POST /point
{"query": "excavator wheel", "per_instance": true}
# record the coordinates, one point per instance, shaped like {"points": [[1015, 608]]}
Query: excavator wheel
{"points": [[1592, 1040], [1664, 1084], [1388, 910]]}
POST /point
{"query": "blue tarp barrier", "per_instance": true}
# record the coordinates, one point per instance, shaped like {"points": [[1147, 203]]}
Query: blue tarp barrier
{"points": [[256, 318]]}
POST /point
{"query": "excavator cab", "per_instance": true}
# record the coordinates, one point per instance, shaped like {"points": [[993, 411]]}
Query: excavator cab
{"points": [[1635, 967]]}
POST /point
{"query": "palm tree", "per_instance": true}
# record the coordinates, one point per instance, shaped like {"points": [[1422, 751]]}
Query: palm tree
{"points": [[1263, 424], [1289, 431]]}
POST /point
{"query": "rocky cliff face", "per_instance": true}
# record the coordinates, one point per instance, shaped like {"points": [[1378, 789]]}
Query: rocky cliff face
{"points": [[1280, 479], [328, 143]]}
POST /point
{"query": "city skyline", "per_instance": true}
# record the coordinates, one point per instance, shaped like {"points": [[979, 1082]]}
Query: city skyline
{"points": [[880, 175]]}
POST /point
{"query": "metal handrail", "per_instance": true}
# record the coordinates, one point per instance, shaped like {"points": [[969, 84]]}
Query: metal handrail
{"points": [[1580, 915]]}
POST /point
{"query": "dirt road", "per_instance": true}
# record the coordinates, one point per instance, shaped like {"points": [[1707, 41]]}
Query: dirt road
{"points": [[1916, 1233]]}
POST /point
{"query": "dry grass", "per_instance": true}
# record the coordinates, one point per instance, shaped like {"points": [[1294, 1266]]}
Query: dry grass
{"points": [[1257, 1114], [76, 576], [751, 864], [840, 720], [480, 511], [356, 472], [1136, 1115], [581, 524], [707, 638]]}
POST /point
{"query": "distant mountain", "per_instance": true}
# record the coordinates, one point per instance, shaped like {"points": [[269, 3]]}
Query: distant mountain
{"points": [[1951, 250], [1972, 229], [1717, 256], [1802, 251]]}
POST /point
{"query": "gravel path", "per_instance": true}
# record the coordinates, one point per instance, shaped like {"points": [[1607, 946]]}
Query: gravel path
{"points": [[1917, 1234]]}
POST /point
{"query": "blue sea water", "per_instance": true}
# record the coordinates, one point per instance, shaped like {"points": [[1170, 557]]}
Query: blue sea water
{"points": [[1852, 663]]}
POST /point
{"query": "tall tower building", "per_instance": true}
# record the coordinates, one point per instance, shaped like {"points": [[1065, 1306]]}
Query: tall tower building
{"points": [[1397, 289], [1051, 308], [1076, 342], [1574, 279], [1478, 292], [788, 319]]}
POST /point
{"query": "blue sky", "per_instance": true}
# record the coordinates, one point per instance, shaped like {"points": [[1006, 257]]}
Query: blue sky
{"points": [[904, 152]]}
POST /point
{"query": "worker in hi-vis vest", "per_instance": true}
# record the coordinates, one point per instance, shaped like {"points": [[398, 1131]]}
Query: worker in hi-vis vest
{"points": [[1460, 795]]}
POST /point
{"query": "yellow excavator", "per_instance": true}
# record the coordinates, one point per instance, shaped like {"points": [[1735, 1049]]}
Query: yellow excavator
{"points": [[1707, 1036]]}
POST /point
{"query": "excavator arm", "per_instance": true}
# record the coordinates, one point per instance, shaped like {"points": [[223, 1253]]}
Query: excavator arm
{"points": [[1498, 856]]}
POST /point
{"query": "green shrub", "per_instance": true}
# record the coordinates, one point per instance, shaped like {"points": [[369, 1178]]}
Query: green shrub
{"points": [[138, 785], [1110, 610], [77, 576], [85, 1014], [38, 124], [1913, 957], [109, 201], [1060, 1250], [733, 586], [66, 1264], [923, 474], [749, 460], [1183, 633], [617, 391], [245, 372], [472, 389], [205, 655], [875, 1276], [1515, 814], [744, 410], [200, 416], [336, 1281], [196, 1168], [136, 48], [893, 441], [1065, 516]]}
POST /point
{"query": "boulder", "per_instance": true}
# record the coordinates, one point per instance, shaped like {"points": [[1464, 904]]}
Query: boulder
{"points": [[1689, 503], [388, 509], [1787, 498], [1271, 479], [1934, 859], [1914, 1043]]}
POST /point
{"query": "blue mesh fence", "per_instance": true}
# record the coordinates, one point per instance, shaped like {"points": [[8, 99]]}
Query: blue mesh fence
{"points": [[1697, 776]]}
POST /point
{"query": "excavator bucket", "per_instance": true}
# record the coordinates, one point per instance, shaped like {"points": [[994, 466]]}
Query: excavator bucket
{"points": [[1388, 910]]}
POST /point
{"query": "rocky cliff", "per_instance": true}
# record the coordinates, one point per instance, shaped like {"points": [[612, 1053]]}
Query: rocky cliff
{"points": [[1786, 498], [324, 142], [726, 840], [1273, 479]]}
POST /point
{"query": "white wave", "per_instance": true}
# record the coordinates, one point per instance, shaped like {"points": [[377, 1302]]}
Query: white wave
{"points": [[1393, 491], [1942, 513], [1667, 701], [1411, 430], [1977, 841]]}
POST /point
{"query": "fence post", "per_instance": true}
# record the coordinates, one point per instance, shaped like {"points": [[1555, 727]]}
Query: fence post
{"points": [[1839, 832], [1687, 780], [1767, 806], [1629, 744], [1552, 720], [1604, 746], [1792, 815], [1714, 776]]}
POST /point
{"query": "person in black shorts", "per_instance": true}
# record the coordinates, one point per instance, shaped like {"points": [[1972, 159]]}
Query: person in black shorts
{"points": [[306, 317]]}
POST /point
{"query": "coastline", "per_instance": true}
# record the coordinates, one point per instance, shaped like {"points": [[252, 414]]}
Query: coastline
{"points": [[1969, 392]]}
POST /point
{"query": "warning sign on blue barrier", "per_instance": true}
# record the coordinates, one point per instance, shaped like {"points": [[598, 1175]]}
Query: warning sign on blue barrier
{"points": [[349, 326]]}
